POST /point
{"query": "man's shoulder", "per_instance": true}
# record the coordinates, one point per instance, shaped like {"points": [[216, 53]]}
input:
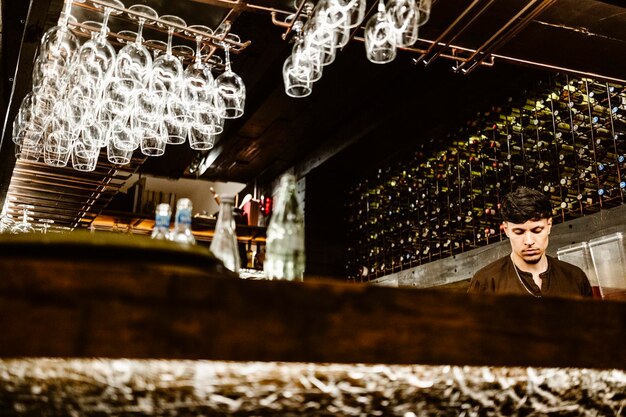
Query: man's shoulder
{"points": [[566, 267], [494, 267]]}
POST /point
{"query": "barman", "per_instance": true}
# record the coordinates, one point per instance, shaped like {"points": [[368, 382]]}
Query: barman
{"points": [[527, 220]]}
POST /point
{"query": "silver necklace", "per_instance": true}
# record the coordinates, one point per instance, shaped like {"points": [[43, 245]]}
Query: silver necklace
{"points": [[521, 281]]}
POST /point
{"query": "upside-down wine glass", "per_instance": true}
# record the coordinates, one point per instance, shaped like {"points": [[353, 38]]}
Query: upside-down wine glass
{"points": [[424, 7], [131, 67], [93, 64], [45, 225], [56, 49], [24, 226], [298, 68], [163, 85], [404, 18], [380, 45], [230, 85], [203, 105]]}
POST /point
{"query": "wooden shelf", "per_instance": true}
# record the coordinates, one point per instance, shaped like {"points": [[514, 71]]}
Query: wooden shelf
{"points": [[202, 227]]}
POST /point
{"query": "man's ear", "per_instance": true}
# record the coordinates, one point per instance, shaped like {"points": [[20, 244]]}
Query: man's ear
{"points": [[549, 224], [505, 227]]}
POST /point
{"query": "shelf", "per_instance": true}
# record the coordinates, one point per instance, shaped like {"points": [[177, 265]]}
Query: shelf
{"points": [[202, 227]]}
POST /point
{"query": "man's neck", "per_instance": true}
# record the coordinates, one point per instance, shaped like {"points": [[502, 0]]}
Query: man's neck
{"points": [[535, 269]]}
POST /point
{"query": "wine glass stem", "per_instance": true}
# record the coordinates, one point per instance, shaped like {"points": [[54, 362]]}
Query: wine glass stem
{"points": [[198, 50], [170, 34], [67, 10], [140, 30], [227, 56], [105, 22]]}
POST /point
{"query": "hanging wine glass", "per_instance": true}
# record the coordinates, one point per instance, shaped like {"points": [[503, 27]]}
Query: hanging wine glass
{"points": [[24, 226], [310, 54], [167, 70], [163, 85], [6, 223], [134, 60], [230, 86], [380, 38], [204, 106], [424, 7], [56, 49], [96, 57], [336, 18], [198, 81], [92, 68], [404, 18], [58, 137], [297, 77], [132, 65], [45, 225]]}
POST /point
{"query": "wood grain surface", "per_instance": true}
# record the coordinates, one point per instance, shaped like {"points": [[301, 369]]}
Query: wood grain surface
{"points": [[154, 307]]}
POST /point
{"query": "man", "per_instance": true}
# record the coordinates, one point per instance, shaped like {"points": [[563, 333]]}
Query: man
{"points": [[527, 220]]}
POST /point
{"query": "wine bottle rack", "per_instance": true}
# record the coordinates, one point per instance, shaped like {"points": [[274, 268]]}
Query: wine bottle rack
{"points": [[566, 137]]}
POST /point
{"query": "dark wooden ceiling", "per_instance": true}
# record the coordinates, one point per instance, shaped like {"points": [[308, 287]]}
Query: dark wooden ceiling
{"points": [[359, 111]]}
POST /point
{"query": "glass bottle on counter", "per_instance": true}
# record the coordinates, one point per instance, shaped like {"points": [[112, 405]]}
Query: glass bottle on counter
{"points": [[284, 255], [162, 222], [182, 223], [224, 244]]}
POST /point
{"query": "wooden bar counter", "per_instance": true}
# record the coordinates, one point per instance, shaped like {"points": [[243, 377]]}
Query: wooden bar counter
{"points": [[116, 296]]}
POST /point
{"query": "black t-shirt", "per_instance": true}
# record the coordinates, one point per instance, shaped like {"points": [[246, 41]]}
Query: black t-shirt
{"points": [[561, 279]]}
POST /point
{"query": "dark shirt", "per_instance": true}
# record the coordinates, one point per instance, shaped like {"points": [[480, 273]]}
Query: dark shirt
{"points": [[561, 279]]}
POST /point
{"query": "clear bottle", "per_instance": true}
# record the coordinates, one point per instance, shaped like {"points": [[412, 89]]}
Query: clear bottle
{"points": [[224, 244], [162, 222], [182, 224], [284, 255]]}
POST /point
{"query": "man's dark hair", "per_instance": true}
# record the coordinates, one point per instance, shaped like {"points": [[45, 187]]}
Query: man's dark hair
{"points": [[525, 204]]}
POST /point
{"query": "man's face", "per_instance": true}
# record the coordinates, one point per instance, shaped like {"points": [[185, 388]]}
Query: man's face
{"points": [[529, 240]]}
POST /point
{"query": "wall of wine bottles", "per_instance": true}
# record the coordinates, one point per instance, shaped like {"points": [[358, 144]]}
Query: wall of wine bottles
{"points": [[565, 136]]}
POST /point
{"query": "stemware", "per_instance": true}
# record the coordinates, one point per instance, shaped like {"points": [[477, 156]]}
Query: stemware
{"points": [[24, 226], [84, 156], [200, 98], [230, 86], [153, 139], [134, 60], [96, 57], [297, 77], [6, 223], [337, 18], [118, 150], [380, 38], [45, 225], [56, 49], [308, 53], [167, 70], [424, 7], [198, 81], [316, 33], [58, 137], [163, 86], [404, 17], [352, 11], [91, 67]]}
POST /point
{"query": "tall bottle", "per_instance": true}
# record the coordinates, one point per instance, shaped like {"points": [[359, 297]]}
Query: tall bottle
{"points": [[284, 256], [182, 223], [224, 244], [162, 222]]}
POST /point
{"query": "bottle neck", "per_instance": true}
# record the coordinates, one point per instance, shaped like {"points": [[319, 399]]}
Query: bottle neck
{"points": [[225, 217]]}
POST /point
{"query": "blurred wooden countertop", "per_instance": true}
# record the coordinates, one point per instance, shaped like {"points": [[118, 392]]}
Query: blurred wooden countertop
{"points": [[118, 296]]}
